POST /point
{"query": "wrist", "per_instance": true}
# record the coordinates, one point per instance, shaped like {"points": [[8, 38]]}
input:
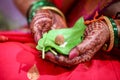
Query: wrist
{"points": [[41, 4], [114, 30], [118, 27], [35, 6]]}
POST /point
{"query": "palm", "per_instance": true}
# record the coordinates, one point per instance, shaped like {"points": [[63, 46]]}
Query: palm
{"points": [[96, 34]]}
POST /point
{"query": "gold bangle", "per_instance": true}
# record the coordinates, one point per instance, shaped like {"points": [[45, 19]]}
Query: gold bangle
{"points": [[111, 44], [54, 9]]}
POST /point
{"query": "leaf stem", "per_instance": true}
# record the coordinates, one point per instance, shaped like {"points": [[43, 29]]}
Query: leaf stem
{"points": [[53, 51], [43, 53]]}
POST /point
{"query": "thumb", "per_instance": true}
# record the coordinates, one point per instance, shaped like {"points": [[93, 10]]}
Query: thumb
{"points": [[96, 34]]}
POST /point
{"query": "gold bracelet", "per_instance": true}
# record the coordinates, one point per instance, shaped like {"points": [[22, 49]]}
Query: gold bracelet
{"points": [[111, 44], [54, 9]]}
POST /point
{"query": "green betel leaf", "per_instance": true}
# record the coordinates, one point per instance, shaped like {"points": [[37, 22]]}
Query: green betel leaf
{"points": [[73, 36]]}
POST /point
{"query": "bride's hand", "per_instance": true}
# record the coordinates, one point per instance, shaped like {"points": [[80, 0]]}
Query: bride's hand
{"points": [[96, 34]]}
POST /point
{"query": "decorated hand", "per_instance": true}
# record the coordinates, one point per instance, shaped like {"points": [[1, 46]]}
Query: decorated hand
{"points": [[45, 20], [95, 36]]}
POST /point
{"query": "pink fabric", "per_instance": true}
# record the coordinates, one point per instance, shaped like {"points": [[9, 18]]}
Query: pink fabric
{"points": [[86, 9], [82, 8], [16, 58]]}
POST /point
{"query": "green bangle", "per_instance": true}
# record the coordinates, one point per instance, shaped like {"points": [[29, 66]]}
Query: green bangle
{"points": [[116, 38], [36, 5]]}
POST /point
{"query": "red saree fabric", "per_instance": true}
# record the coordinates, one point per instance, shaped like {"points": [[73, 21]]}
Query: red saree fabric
{"points": [[17, 58], [18, 55]]}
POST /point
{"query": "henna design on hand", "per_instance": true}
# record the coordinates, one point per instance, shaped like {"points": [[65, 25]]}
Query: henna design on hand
{"points": [[96, 34], [45, 20]]}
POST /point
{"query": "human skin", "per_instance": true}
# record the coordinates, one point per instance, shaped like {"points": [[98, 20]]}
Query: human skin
{"points": [[96, 34], [23, 5]]}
